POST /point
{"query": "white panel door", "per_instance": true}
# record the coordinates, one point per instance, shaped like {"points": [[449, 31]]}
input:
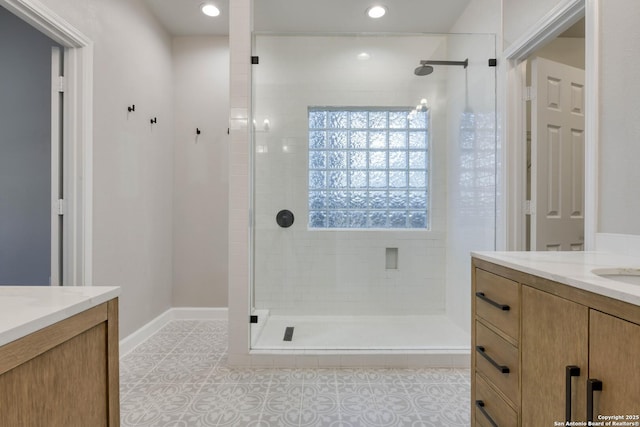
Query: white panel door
{"points": [[557, 157]]}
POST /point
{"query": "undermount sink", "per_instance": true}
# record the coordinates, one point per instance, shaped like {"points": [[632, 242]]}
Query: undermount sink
{"points": [[626, 275]]}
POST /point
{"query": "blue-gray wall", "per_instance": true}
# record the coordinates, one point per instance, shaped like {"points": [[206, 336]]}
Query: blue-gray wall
{"points": [[25, 153]]}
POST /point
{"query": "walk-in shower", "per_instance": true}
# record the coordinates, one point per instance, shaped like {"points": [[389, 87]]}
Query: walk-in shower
{"points": [[388, 198]]}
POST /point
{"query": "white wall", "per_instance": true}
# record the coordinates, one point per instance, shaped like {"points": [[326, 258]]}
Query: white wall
{"points": [[520, 15], [565, 50], [200, 214], [323, 272], [25, 153], [133, 160], [619, 151], [240, 26]]}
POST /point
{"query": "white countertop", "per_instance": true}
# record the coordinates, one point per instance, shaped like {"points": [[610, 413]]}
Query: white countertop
{"points": [[573, 269], [26, 309]]}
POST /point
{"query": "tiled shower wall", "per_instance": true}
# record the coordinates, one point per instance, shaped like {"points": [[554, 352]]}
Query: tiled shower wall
{"points": [[329, 272]]}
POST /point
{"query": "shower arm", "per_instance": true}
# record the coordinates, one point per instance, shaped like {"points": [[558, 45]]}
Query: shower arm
{"points": [[464, 63]]}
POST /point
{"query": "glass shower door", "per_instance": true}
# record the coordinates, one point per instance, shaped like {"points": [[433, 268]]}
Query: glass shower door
{"points": [[371, 184]]}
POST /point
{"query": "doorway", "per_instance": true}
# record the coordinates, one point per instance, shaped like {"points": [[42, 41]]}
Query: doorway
{"points": [[75, 123], [30, 155], [555, 143], [549, 28]]}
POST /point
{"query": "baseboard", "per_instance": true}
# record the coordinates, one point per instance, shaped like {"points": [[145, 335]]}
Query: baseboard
{"points": [[131, 341], [206, 313]]}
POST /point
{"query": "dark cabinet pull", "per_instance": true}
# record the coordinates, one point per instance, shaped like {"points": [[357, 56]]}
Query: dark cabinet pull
{"points": [[592, 385], [571, 371], [503, 307], [480, 405], [502, 368]]}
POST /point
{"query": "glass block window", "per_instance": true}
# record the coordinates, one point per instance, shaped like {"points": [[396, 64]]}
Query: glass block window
{"points": [[368, 168]]}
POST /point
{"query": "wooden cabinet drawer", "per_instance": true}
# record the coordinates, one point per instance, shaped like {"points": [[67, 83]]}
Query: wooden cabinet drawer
{"points": [[498, 302], [488, 404], [495, 355]]}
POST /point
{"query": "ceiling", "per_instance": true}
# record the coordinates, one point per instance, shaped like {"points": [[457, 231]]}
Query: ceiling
{"points": [[183, 17]]}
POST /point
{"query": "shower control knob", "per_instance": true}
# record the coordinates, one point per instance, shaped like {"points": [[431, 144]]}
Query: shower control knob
{"points": [[284, 218]]}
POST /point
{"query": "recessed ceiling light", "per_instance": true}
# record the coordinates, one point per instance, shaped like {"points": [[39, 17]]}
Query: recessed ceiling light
{"points": [[376, 11], [209, 9], [363, 56]]}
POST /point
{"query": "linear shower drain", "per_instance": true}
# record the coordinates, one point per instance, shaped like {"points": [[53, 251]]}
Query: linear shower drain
{"points": [[288, 333]]}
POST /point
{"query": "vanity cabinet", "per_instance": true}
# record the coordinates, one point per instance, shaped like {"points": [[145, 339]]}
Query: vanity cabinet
{"points": [[567, 338], [64, 375]]}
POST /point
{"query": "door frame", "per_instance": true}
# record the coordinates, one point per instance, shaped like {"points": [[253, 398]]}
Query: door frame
{"points": [[78, 132], [57, 167], [549, 27]]}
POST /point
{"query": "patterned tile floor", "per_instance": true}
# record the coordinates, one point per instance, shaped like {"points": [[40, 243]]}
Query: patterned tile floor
{"points": [[179, 378]]}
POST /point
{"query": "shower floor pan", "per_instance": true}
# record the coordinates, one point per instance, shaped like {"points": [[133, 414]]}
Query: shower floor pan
{"points": [[375, 333]]}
